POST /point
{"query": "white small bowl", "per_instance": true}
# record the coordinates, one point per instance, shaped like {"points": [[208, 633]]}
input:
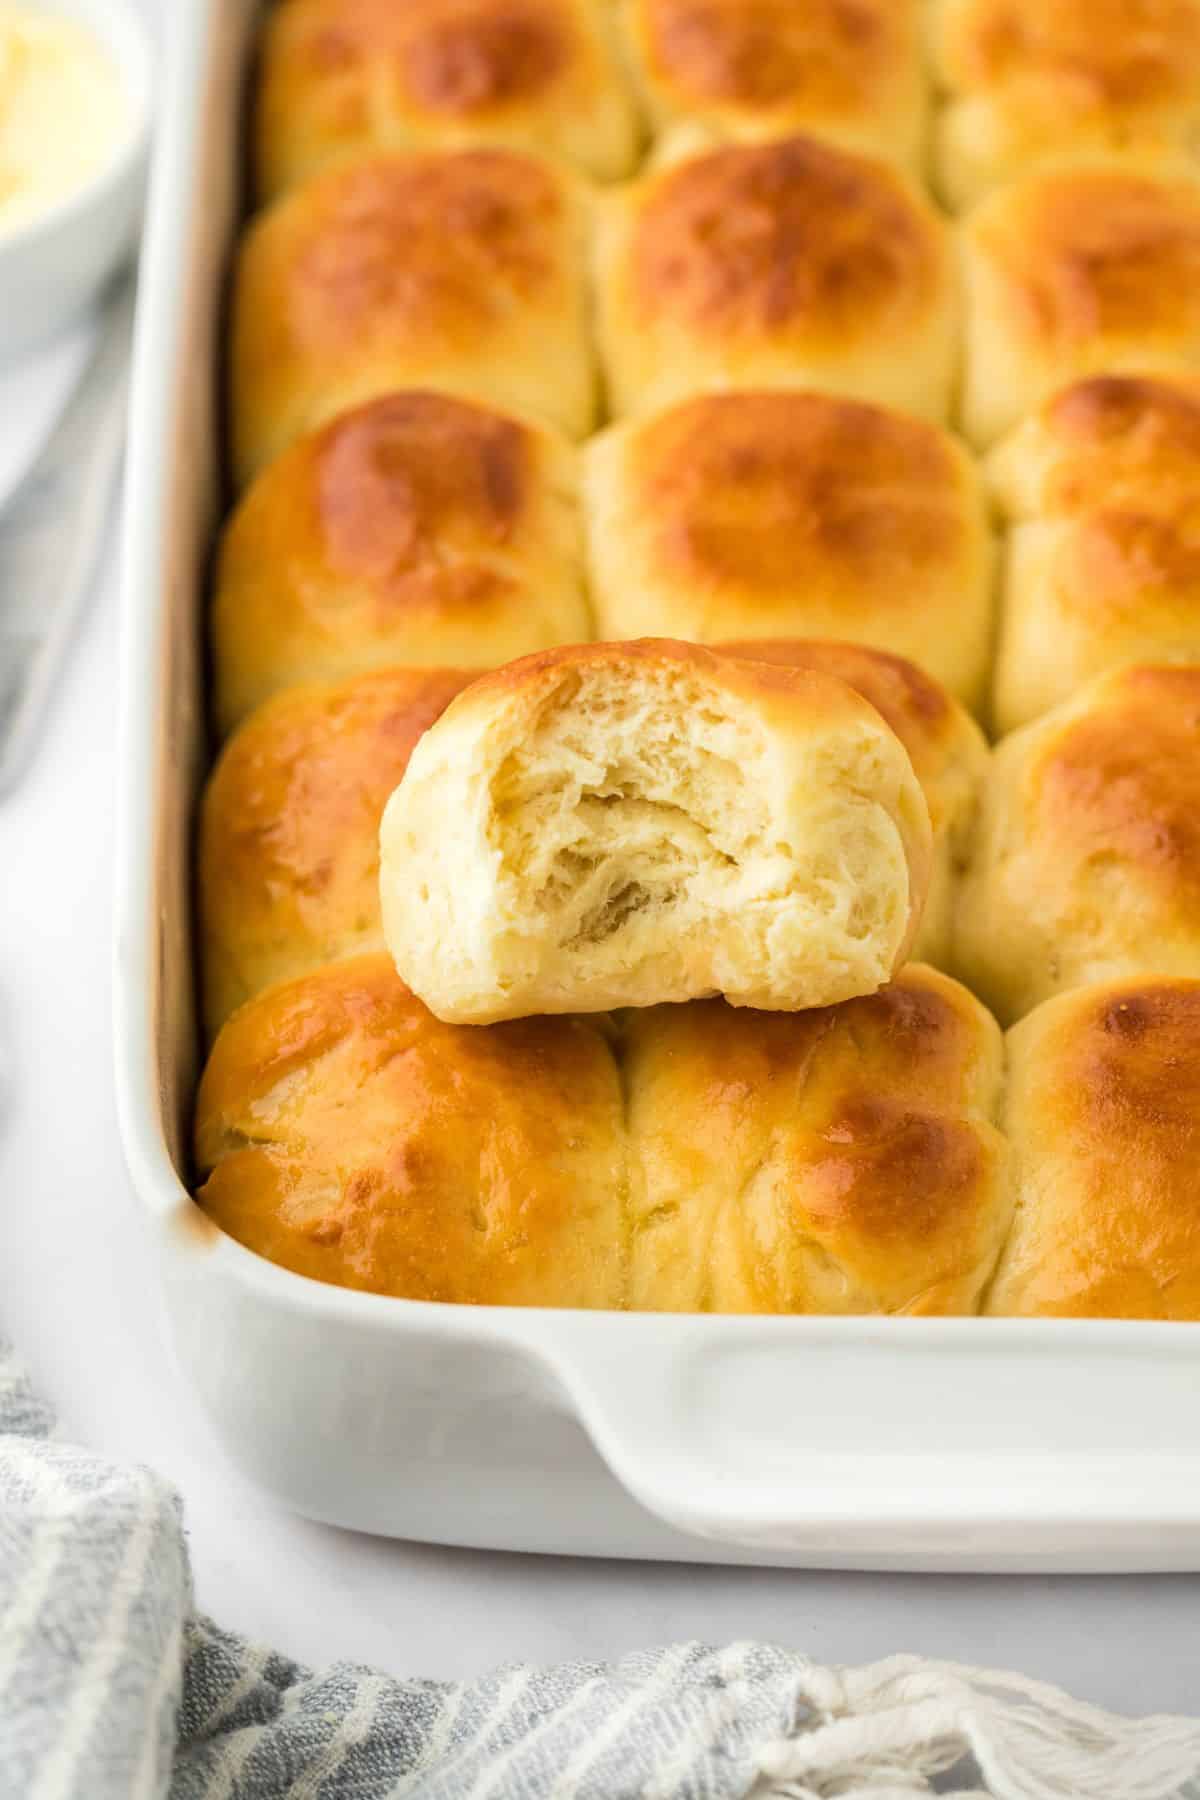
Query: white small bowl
{"points": [[52, 265]]}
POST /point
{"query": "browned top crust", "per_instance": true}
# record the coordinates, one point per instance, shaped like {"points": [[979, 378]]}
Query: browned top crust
{"points": [[794, 232]]}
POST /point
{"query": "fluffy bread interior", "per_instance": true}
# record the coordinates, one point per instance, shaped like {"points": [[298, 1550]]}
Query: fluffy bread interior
{"points": [[648, 842]]}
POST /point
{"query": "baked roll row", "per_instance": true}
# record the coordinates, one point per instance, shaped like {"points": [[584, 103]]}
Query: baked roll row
{"points": [[794, 263], [425, 530], [586, 80], [1069, 855], [289, 844], [884, 1155]]}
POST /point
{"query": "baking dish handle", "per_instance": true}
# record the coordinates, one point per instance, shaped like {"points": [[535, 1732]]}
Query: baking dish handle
{"points": [[879, 1437]]}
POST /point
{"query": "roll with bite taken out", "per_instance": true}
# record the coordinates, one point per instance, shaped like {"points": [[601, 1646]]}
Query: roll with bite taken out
{"points": [[622, 824]]}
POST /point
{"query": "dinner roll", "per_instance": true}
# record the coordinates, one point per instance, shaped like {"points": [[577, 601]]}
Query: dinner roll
{"points": [[1086, 859], [1103, 1113], [417, 529], [343, 1132], [785, 264], [338, 76], [1027, 79], [769, 514], [751, 68], [1081, 268], [947, 750], [842, 1160], [289, 828], [1102, 488], [462, 270], [620, 824]]}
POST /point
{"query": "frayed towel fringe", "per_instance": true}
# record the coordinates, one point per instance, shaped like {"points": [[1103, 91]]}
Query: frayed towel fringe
{"points": [[890, 1730]]}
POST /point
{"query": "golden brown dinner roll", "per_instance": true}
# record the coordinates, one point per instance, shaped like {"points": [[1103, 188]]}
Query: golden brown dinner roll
{"points": [[751, 68], [784, 264], [1102, 490], [343, 1132], [347, 75], [1080, 268], [620, 824], [1086, 859], [460, 270], [289, 828], [1027, 79], [1103, 1114], [417, 529], [842, 1160], [947, 750], [760, 514]]}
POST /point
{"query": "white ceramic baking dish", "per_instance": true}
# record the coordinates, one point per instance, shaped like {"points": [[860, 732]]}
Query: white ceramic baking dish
{"points": [[870, 1443]]}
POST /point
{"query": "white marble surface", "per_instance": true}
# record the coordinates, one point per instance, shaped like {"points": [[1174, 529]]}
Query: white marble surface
{"points": [[77, 1292]]}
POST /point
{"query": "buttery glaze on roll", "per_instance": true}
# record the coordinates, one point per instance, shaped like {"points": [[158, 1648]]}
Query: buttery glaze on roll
{"points": [[1030, 79], [289, 828], [1086, 859], [1101, 487], [1085, 267], [757, 68], [772, 514], [345, 1133], [339, 76], [842, 1160], [789, 264], [622, 824], [461, 270], [417, 529], [948, 752], [839, 1160], [1103, 1112]]}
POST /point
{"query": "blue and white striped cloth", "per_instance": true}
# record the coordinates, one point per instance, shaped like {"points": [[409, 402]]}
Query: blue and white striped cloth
{"points": [[113, 1688]]}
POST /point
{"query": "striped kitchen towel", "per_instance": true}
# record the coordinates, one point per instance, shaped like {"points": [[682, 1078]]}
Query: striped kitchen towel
{"points": [[112, 1688]]}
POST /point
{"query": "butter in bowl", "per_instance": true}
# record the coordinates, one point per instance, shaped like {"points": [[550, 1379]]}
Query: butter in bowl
{"points": [[74, 135]]}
